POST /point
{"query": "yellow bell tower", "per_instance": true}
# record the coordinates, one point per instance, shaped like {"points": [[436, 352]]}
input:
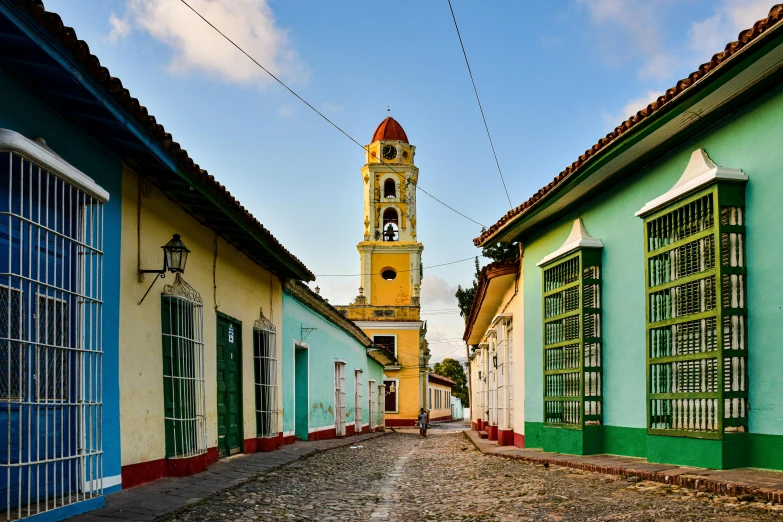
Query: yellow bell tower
{"points": [[387, 307], [390, 254]]}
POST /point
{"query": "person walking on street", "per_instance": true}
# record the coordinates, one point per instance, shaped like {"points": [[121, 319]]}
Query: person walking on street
{"points": [[423, 421]]}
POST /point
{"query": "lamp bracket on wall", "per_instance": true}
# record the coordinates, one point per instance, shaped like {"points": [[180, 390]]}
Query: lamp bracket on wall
{"points": [[305, 332], [175, 255]]}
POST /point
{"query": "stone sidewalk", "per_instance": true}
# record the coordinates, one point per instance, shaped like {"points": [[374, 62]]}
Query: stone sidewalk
{"points": [[761, 485], [166, 495]]}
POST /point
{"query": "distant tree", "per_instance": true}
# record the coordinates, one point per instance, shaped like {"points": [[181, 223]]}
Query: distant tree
{"points": [[495, 252], [465, 296], [453, 370], [499, 251]]}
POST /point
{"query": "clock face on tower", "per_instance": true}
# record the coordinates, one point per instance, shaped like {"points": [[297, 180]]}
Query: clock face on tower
{"points": [[389, 152]]}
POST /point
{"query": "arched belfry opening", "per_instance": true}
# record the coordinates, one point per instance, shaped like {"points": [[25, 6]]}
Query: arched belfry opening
{"points": [[391, 226], [389, 189]]}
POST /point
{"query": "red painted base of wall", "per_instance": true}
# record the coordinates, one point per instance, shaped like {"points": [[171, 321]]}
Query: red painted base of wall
{"points": [[505, 437], [400, 423], [192, 465], [350, 429], [137, 474], [492, 432], [290, 439], [263, 444], [441, 419], [473, 426], [519, 440], [331, 433], [379, 428]]}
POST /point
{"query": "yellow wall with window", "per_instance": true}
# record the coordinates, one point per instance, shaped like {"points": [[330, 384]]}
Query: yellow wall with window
{"points": [[407, 377], [228, 282], [439, 402]]}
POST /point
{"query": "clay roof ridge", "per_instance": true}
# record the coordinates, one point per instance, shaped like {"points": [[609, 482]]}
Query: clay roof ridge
{"points": [[53, 23], [492, 270], [745, 38], [438, 376]]}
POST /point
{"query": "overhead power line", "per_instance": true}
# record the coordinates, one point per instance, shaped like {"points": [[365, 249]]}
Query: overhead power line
{"points": [[481, 109], [319, 113]]}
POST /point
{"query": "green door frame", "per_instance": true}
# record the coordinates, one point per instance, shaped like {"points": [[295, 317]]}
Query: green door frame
{"points": [[240, 401]]}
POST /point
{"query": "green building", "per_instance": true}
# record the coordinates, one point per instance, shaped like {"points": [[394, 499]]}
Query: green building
{"points": [[652, 294]]}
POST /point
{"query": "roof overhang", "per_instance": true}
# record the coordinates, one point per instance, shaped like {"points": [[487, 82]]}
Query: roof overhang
{"points": [[495, 281], [47, 59], [729, 85], [380, 355]]}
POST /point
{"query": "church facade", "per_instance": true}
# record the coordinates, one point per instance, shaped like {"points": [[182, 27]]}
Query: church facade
{"points": [[387, 307]]}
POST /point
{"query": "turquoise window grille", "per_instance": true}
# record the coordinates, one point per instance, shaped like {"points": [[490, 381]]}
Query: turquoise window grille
{"points": [[572, 340], [697, 350]]}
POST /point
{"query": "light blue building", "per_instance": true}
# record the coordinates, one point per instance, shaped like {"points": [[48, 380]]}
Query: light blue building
{"points": [[332, 372]]}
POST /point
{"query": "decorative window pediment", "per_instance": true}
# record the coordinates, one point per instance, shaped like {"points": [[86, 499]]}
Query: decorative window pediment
{"points": [[578, 238], [700, 172]]}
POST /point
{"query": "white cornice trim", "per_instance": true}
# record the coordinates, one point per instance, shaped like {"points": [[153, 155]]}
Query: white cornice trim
{"points": [[578, 238], [389, 325], [701, 171], [12, 141]]}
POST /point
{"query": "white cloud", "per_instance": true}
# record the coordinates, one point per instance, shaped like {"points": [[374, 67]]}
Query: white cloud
{"points": [[631, 30], [197, 47], [286, 111], [630, 108], [119, 28], [709, 36], [437, 292]]}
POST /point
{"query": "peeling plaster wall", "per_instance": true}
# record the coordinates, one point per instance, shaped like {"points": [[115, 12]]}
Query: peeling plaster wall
{"points": [[326, 344]]}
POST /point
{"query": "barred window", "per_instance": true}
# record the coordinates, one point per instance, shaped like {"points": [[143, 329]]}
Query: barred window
{"points": [[696, 315], [265, 374], [183, 370], [572, 335], [51, 266]]}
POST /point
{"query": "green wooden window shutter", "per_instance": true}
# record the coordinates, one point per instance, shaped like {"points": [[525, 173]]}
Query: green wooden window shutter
{"points": [[695, 264], [572, 338]]}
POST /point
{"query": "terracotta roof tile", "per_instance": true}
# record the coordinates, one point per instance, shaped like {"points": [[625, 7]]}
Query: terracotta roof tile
{"points": [[81, 51], [745, 38], [391, 130]]}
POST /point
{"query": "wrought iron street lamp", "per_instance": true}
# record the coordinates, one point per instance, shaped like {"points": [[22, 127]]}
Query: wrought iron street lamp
{"points": [[175, 255]]}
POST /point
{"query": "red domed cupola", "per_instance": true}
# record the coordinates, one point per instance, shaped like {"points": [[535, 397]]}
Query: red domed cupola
{"points": [[389, 130]]}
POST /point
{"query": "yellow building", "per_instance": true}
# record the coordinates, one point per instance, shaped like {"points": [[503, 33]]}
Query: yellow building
{"points": [[387, 307]]}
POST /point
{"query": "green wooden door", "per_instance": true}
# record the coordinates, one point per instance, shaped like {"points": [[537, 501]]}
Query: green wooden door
{"points": [[229, 386]]}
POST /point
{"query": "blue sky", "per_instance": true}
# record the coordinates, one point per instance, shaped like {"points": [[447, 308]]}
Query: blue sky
{"points": [[553, 76]]}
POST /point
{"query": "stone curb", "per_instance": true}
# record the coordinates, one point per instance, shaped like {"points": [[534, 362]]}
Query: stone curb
{"points": [[715, 486]]}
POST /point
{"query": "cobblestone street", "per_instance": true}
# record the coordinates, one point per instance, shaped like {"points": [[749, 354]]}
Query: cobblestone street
{"points": [[402, 477]]}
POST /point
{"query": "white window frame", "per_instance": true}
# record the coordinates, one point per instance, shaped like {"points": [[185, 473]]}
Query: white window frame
{"points": [[387, 335], [339, 398], [358, 400], [373, 393], [396, 395], [268, 412]]}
